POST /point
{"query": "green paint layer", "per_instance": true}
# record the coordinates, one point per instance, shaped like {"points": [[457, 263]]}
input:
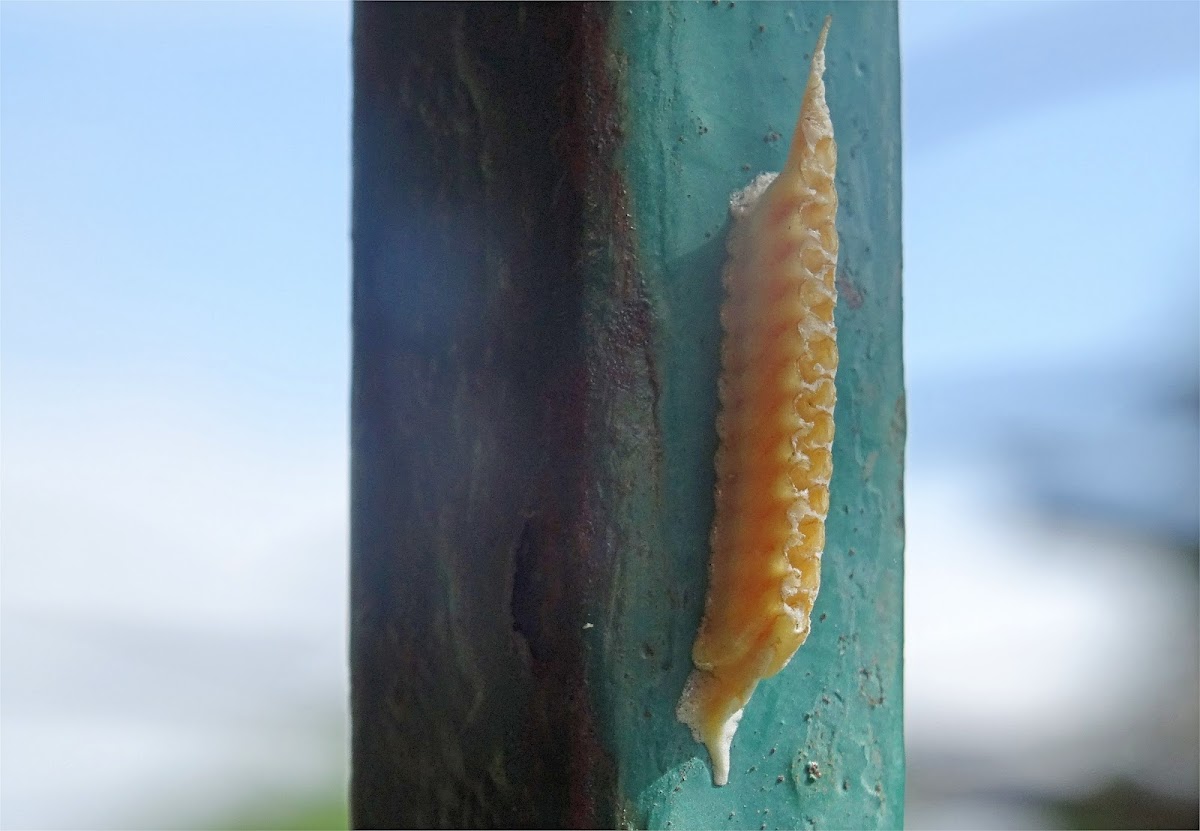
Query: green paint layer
{"points": [[711, 92]]}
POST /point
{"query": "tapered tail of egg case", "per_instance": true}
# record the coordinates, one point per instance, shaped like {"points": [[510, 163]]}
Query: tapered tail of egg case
{"points": [[812, 125]]}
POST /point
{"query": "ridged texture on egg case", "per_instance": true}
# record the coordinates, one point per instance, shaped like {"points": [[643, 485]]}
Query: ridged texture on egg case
{"points": [[774, 462]]}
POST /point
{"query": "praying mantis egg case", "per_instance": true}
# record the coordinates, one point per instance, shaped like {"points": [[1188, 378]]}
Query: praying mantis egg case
{"points": [[775, 428]]}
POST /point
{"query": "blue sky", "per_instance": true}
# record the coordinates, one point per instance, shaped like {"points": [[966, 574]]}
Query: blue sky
{"points": [[1050, 182], [175, 200], [174, 344]]}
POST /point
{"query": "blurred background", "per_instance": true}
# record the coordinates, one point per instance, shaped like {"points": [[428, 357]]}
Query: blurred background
{"points": [[174, 324]]}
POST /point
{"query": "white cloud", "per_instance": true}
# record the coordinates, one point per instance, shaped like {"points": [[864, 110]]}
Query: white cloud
{"points": [[174, 603], [1037, 657]]}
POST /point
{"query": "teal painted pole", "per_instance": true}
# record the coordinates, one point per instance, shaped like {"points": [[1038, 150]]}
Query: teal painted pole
{"points": [[540, 209]]}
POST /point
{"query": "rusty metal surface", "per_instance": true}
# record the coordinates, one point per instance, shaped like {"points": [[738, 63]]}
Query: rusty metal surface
{"points": [[468, 409]]}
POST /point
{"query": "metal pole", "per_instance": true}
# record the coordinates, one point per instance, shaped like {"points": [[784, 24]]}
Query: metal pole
{"points": [[540, 206]]}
